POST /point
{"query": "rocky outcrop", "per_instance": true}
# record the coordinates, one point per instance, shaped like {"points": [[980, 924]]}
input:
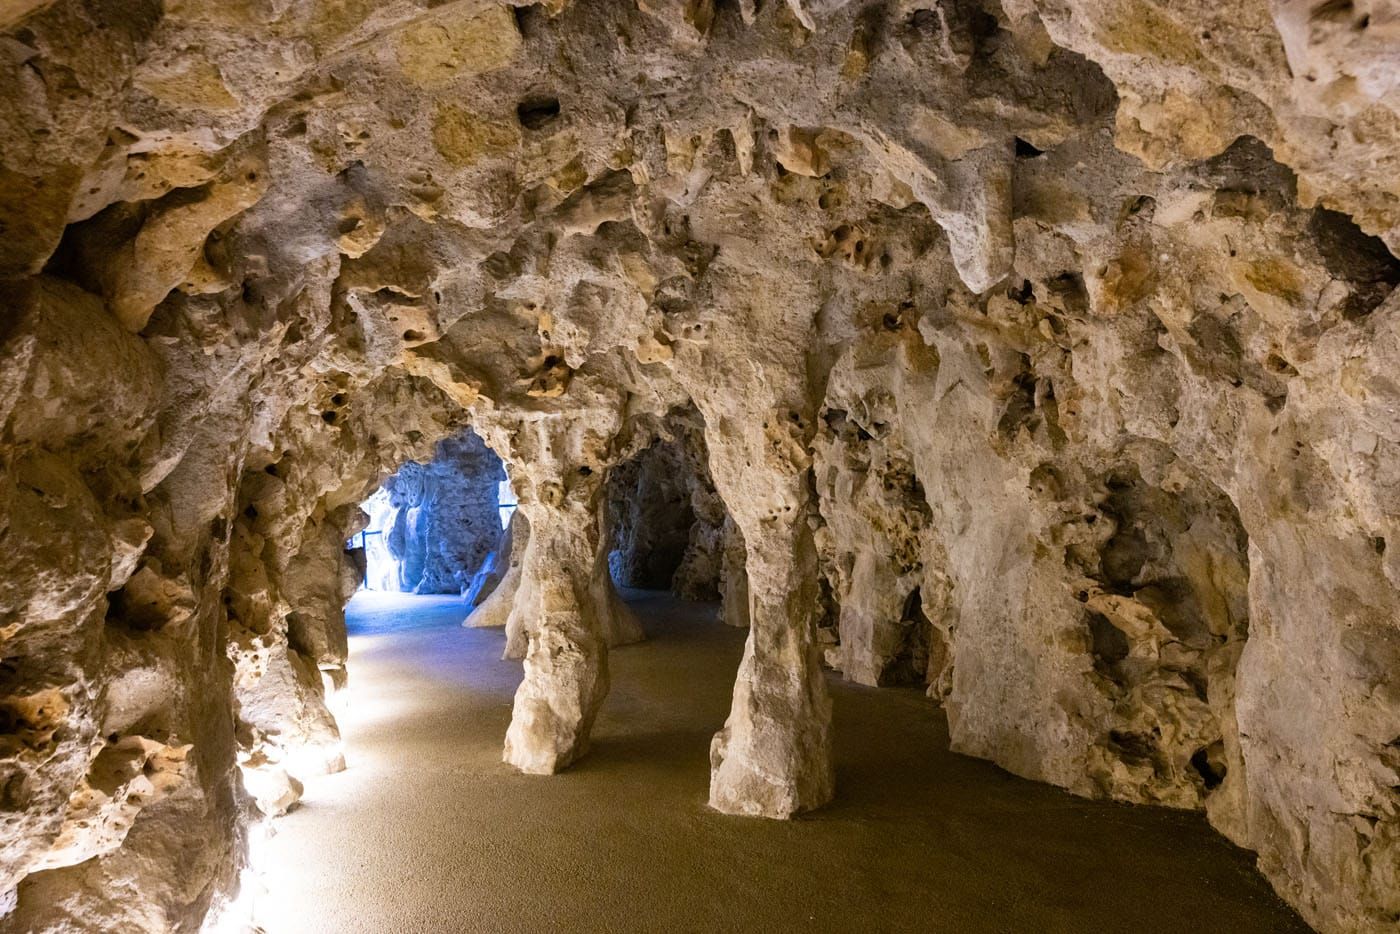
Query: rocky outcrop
{"points": [[1042, 352]]}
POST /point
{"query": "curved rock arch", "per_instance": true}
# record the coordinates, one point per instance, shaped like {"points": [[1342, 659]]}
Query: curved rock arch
{"points": [[254, 257]]}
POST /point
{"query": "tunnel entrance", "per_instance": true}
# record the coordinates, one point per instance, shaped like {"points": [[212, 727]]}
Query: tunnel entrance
{"points": [[668, 529], [438, 527]]}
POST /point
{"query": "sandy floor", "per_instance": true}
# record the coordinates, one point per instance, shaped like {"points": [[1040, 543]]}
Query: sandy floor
{"points": [[428, 831]]}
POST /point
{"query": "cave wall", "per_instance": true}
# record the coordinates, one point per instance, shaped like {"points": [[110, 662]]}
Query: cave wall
{"points": [[1042, 352], [650, 518], [440, 521]]}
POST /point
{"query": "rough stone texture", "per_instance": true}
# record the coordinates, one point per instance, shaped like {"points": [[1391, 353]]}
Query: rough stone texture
{"points": [[669, 528], [494, 609], [650, 518], [1043, 352], [439, 521], [564, 606]]}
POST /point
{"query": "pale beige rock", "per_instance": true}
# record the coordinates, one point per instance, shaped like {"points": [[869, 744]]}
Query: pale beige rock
{"points": [[1039, 353], [123, 778], [564, 605], [461, 42]]}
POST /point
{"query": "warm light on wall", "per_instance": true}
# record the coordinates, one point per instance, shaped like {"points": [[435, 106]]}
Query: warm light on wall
{"points": [[246, 913], [257, 909], [267, 903]]}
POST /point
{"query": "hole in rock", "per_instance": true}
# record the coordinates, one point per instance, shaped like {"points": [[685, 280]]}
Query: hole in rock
{"points": [[530, 19], [1025, 150], [536, 113], [1361, 261], [1109, 645], [1209, 762]]}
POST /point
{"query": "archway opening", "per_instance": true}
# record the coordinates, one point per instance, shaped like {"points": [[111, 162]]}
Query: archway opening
{"points": [[667, 528], [652, 515], [438, 527]]}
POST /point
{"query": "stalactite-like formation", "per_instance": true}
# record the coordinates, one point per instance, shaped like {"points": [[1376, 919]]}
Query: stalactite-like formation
{"points": [[1039, 351]]}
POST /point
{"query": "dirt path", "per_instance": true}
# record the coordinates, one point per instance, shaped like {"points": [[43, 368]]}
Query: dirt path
{"points": [[429, 831]]}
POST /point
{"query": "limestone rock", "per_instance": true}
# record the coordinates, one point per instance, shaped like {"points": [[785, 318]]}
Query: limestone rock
{"points": [[1039, 352], [666, 521]]}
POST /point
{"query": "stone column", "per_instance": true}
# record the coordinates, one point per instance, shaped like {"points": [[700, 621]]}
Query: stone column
{"points": [[565, 608], [566, 664], [773, 757], [617, 623]]}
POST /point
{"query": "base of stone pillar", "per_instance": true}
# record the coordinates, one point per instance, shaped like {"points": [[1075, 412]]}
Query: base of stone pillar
{"points": [[747, 789], [566, 679]]}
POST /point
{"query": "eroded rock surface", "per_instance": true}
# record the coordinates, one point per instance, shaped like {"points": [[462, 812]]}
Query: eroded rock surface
{"points": [[1042, 352]]}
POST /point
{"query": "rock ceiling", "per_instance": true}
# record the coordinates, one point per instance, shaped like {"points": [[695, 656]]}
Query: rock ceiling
{"points": [[1061, 332]]}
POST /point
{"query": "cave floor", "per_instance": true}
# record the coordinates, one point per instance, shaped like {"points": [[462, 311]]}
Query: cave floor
{"points": [[427, 830]]}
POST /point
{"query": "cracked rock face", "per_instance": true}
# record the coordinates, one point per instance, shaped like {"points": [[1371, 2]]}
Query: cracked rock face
{"points": [[1040, 352]]}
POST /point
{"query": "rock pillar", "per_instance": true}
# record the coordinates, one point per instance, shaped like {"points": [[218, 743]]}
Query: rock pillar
{"points": [[565, 609], [773, 757]]}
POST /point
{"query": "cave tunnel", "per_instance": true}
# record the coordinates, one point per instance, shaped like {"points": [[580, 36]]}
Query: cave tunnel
{"points": [[435, 642], [704, 465], [439, 527]]}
